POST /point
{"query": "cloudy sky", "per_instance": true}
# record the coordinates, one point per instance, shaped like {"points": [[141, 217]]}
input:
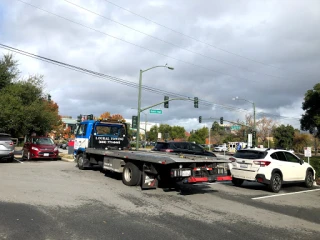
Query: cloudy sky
{"points": [[267, 52]]}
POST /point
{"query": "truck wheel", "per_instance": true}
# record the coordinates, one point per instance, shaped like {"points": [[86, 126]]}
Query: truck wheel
{"points": [[80, 161], [237, 181], [275, 183], [131, 175], [308, 182]]}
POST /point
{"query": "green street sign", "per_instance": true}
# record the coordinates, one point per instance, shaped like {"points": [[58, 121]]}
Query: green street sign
{"points": [[157, 111], [236, 127]]}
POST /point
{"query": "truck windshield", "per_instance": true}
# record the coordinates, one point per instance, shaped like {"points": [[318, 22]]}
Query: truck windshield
{"points": [[115, 130]]}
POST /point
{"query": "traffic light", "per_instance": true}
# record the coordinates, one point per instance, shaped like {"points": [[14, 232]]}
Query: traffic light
{"points": [[254, 134], [49, 97], [90, 117], [200, 119], [134, 122], [166, 103], [196, 102], [221, 120], [79, 118]]}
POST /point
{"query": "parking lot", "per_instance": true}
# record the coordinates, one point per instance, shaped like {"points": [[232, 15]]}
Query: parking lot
{"points": [[66, 203]]}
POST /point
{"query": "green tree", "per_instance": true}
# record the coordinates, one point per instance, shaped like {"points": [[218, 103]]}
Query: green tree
{"points": [[301, 140], [8, 70], [153, 133], [23, 105], [199, 136], [310, 121], [165, 130], [178, 132], [284, 136]]}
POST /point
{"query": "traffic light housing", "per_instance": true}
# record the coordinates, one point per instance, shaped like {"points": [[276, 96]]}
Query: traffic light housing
{"points": [[196, 102], [200, 119], [134, 122], [90, 117], [221, 120], [166, 102], [254, 134], [49, 97], [79, 118]]}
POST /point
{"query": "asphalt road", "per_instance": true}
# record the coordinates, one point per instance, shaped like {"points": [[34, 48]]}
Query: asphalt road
{"points": [[55, 200]]}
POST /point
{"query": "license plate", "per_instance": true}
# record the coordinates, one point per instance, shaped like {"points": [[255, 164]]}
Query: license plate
{"points": [[46, 154], [186, 173], [243, 165]]}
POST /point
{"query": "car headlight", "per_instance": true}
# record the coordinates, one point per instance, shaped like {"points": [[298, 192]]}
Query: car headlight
{"points": [[34, 148], [55, 149]]}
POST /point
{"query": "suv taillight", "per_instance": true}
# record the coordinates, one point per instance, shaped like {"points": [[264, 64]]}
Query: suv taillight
{"points": [[169, 150], [11, 143], [262, 163]]}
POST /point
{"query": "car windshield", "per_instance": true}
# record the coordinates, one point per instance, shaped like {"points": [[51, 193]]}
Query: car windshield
{"points": [[42, 141], [250, 154]]}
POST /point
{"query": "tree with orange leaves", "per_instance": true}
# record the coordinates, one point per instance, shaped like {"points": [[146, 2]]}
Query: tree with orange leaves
{"points": [[107, 115]]}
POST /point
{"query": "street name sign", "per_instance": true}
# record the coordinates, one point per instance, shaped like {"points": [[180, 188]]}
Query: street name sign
{"points": [[156, 111]]}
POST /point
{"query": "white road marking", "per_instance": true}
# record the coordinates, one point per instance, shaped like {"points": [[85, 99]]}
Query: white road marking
{"points": [[18, 160], [284, 194]]}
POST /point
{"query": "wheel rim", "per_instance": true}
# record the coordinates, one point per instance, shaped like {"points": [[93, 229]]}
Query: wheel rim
{"points": [[80, 161], [127, 174], [277, 182], [309, 179]]}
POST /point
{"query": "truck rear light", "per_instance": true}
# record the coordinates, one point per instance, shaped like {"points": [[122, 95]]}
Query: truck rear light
{"points": [[262, 163], [232, 159], [169, 150]]}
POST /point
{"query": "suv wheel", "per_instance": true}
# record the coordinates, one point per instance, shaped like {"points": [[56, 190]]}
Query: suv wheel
{"points": [[309, 179], [275, 183], [237, 182]]}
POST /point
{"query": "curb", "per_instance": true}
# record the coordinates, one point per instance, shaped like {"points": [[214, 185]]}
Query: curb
{"points": [[67, 159]]}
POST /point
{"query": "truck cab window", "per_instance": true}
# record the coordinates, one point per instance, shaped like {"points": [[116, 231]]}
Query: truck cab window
{"points": [[82, 130]]}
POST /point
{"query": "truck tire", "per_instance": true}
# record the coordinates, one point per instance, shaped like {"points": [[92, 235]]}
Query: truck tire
{"points": [[81, 161], [237, 181], [131, 175], [275, 183], [308, 182]]}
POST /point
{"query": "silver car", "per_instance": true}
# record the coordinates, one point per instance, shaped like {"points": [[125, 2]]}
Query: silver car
{"points": [[6, 147]]}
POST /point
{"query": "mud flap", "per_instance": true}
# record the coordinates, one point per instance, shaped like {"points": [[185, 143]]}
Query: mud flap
{"points": [[149, 180]]}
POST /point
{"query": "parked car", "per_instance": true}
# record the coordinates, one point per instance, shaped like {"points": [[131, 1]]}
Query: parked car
{"points": [[272, 167], [221, 148], [40, 147], [182, 147], [6, 147]]}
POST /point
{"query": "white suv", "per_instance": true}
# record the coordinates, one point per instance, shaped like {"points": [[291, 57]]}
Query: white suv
{"points": [[271, 167], [221, 148]]}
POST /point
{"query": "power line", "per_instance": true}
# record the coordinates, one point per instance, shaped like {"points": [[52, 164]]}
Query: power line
{"points": [[136, 45], [115, 79], [119, 80], [198, 40], [170, 43]]}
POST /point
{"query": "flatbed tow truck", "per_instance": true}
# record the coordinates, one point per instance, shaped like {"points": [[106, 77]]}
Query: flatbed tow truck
{"points": [[104, 143]]}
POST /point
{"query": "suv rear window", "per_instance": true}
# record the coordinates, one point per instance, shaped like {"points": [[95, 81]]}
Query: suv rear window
{"points": [[160, 146], [250, 154], [4, 136]]}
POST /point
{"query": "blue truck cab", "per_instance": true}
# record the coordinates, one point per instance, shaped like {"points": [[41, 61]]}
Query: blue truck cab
{"points": [[101, 134]]}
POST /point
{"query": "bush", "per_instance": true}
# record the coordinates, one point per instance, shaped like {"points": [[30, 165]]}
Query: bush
{"points": [[315, 163]]}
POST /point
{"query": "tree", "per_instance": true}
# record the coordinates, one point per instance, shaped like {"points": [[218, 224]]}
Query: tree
{"points": [[153, 133], [117, 117], [301, 140], [265, 127], [284, 136], [310, 121], [199, 136], [178, 132], [165, 130], [24, 107], [8, 70], [105, 115]]}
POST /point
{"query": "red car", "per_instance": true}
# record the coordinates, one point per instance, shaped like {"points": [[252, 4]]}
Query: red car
{"points": [[40, 147]]}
